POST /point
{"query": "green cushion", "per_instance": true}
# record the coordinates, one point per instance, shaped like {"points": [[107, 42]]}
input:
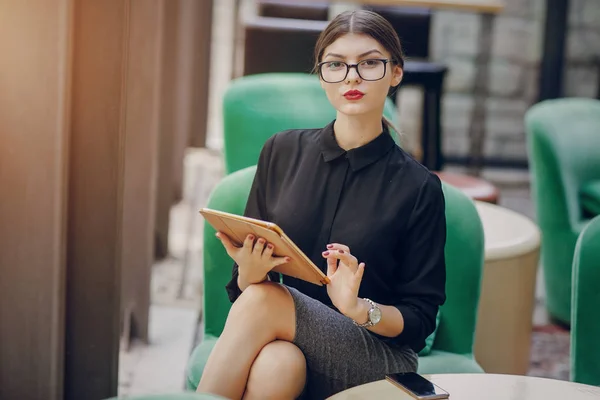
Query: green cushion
{"points": [[442, 362], [431, 338], [172, 396], [585, 326], [198, 361], [590, 197]]}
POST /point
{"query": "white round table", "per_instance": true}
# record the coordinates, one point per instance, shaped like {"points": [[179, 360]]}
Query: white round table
{"points": [[480, 387], [505, 313]]}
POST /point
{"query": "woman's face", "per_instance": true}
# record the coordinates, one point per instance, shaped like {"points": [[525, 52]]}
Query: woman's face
{"points": [[352, 49]]}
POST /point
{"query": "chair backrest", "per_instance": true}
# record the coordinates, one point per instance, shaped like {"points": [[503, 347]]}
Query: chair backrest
{"points": [[230, 195], [258, 106], [585, 324], [464, 254], [563, 138]]}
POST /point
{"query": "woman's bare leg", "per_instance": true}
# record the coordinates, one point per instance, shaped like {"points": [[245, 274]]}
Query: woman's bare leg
{"points": [[278, 373], [263, 313]]}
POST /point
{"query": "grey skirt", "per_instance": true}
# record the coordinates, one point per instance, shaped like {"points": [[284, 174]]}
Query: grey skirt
{"points": [[340, 355]]}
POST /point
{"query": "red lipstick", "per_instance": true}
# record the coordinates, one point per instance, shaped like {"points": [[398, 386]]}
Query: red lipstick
{"points": [[354, 95]]}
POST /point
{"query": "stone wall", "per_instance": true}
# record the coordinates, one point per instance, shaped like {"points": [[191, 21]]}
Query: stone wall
{"points": [[516, 54]]}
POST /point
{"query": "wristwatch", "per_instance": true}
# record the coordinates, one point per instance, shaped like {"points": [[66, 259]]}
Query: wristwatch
{"points": [[374, 315]]}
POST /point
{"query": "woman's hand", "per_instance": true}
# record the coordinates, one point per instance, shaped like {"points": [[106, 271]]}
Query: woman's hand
{"points": [[254, 260], [345, 274]]}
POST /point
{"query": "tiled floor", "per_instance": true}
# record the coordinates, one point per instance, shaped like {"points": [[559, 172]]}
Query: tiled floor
{"points": [[177, 281]]}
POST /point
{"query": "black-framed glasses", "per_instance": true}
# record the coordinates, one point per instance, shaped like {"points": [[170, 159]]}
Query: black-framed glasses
{"points": [[369, 70]]}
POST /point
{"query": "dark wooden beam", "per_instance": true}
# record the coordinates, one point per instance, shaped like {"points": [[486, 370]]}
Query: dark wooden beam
{"points": [[553, 54]]}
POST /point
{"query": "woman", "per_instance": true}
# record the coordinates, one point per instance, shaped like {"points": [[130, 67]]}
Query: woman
{"points": [[365, 212]]}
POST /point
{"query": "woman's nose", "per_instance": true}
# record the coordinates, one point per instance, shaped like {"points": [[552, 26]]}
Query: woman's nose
{"points": [[352, 75]]}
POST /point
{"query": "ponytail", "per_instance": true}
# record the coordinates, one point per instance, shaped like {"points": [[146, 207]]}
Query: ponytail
{"points": [[396, 134]]}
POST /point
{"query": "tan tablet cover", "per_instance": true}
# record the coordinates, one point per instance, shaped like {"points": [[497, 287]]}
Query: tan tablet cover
{"points": [[238, 227]]}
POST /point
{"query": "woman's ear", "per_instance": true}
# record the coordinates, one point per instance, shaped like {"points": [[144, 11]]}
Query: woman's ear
{"points": [[398, 73]]}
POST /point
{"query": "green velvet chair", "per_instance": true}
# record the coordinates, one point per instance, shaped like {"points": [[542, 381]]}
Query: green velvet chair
{"points": [[453, 343], [563, 138], [172, 396], [257, 106], [585, 326]]}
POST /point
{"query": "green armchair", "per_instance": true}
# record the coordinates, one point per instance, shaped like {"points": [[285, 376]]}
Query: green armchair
{"points": [[172, 396], [257, 106], [453, 343], [585, 326], [563, 138]]}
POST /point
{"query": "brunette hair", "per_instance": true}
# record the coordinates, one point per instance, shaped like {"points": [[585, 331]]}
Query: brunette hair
{"points": [[362, 22]]}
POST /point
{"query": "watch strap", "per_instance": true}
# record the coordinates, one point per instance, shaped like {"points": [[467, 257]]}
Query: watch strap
{"points": [[369, 322]]}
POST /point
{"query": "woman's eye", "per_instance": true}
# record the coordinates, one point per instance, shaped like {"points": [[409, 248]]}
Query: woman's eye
{"points": [[370, 63], [334, 65]]}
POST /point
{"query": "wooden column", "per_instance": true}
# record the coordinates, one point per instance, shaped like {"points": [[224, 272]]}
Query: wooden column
{"points": [[111, 197], [95, 210], [164, 191], [141, 124], [184, 100], [34, 122], [193, 61], [203, 15]]}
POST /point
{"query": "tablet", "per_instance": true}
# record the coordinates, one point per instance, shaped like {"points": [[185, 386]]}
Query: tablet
{"points": [[237, 227]]}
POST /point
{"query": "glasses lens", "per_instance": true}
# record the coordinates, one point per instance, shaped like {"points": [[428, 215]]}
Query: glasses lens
{"points": [[371, 70], [333, 71]]}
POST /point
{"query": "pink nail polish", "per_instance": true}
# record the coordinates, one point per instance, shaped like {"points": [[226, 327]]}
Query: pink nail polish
{"points": [[341, 251], [329, 246], [325, 253]]}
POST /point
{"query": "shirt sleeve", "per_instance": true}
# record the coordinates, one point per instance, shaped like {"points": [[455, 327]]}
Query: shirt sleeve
{"points": [[421, 287], [255, 208]]}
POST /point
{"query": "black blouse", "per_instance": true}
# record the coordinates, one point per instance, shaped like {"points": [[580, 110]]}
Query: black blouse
{"points": [[376, 199]]}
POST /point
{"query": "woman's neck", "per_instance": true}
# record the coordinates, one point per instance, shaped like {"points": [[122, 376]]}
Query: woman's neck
{"points": [[352, 132]]}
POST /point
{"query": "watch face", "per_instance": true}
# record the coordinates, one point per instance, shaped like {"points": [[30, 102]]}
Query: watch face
{"points": [[375, 315]]}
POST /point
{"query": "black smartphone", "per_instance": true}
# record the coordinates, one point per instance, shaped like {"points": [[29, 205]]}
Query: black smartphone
{"points": [[417, 386]]}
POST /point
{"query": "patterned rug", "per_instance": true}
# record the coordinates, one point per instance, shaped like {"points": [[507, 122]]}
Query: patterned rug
{"points": [[550, 352]]}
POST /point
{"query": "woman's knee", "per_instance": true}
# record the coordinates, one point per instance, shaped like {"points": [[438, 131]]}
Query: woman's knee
{"points": [[278, 372], [265, 307], [263, 297]]}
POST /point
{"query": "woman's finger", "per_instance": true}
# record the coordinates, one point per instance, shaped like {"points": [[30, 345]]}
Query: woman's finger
{"points": [[338, 246], [227, 243], [249, 242], [360, 272], [259, 246], [332, 264], [275, 261], [345, 257], [268, 252]]}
